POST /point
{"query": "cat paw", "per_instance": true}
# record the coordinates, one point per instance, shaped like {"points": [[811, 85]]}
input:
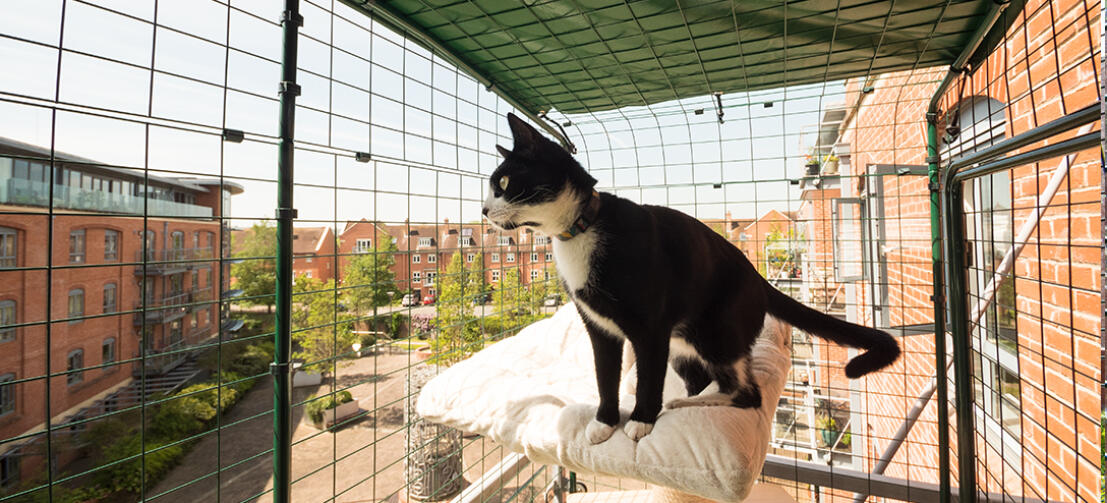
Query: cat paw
{"points": [[704, 400], [636, 430], [597, 432]]}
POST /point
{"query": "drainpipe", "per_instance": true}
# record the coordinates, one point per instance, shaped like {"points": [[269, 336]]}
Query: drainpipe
{"points": [[291, 20]]}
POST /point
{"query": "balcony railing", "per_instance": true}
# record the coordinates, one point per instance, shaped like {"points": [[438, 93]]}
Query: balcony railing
{"points": [[162, 309], [21, 192], [171, 260]]}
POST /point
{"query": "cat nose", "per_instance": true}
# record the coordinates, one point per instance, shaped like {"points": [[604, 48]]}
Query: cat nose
{"points": [[485, 211]]}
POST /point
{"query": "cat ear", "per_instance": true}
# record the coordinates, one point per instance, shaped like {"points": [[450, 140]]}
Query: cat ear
{"points": [[503, 151], [525, 135]]}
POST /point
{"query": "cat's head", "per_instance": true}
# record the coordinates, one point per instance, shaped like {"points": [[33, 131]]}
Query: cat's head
{"points": [[537, 185]]}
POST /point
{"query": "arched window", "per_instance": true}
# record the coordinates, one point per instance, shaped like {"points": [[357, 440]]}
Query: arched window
{"points": [[76, 303], [110, 300], [7, 319], [74, 363], [8, 248]]}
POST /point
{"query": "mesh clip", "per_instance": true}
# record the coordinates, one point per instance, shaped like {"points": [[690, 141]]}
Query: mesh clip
{"points": [[362, 157], [933, 159], [292, 16], [290, 88], [276, 369], [233, 135], [287, 213], [933, 186]]}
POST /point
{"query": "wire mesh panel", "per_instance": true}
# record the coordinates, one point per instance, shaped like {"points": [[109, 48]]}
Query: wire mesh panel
{"points": [[138, 154], [139, 245]]}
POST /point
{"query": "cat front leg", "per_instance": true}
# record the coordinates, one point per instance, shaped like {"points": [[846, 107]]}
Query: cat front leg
{"points": [[607, 351], [652, 361]]}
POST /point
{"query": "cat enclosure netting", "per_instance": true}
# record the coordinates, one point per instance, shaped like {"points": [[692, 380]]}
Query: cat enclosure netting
{"points": [[184, 317]]}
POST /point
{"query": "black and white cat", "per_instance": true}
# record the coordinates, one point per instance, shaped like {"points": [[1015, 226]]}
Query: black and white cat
{"points": [[657, 278]]}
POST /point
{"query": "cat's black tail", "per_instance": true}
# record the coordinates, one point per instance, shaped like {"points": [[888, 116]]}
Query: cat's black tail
{"points": [[882, 349]]}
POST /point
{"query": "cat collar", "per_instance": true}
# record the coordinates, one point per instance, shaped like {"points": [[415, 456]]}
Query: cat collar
{"points": [[584, 221]]}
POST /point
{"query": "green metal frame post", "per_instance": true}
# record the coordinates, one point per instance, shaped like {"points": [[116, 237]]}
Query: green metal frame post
{"points": [[933, 162], [291, 20]]}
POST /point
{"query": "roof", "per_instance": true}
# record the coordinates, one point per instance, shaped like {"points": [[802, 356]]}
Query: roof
{"points": [[308, 240], [592, 55]]}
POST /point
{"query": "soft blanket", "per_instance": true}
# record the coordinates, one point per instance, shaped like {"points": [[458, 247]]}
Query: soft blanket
{"points": [[535, 393]]}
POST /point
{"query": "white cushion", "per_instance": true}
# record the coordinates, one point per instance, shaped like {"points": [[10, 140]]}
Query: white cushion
{"points": [[535, 393]]}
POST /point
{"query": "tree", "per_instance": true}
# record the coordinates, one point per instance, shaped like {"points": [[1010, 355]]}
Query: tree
{"points": [[457, 332], [321, 329], [256, 275], [368, 279], [510, 297], [481, 287]]}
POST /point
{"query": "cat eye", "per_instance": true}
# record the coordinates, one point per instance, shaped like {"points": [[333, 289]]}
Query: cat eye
{"points": [[503, 182]]}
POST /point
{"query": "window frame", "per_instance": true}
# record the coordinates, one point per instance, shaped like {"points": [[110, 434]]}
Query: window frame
{"points": [[7, 394], [78, 293], [78, 246], [74, 373], [108, 343], [113, 256], [114, 306], [9, 239], [9, 334]]}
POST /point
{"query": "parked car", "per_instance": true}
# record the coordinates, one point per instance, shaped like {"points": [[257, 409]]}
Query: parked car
{"points": [[482, 298], [428, 300], [409, 300]]}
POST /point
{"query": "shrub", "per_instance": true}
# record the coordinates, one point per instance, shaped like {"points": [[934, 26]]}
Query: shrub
{"points": [[127, 476], [253, 360], [316, 408]]}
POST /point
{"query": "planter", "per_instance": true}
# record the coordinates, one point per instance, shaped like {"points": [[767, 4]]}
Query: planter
{"points": [[338, 414], [423, 353], [301, 379], [812, 169], [830, 168]]}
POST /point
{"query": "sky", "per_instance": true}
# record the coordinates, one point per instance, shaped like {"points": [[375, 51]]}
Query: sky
{"points": [[137, 94]]}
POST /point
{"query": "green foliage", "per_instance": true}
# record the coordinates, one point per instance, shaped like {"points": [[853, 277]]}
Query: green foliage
{"points": [[396, 324], [317, 321], [126, 477], [511, 296], [457, 329], [368, 279], [257, 277], [315, 408]]}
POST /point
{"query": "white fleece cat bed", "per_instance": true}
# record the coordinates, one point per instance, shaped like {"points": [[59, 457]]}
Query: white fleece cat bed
{"points": [[536, 392]]}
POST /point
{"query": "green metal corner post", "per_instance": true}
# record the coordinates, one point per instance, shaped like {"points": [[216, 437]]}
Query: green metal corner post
{"points": [[933, 163], [282, 385]]}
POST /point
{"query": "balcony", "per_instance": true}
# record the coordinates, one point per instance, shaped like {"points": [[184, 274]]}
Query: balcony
{"points": [[21, 192], [170, 261], [162, 309]]}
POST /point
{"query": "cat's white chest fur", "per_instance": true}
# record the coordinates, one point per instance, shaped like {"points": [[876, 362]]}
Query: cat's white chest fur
{"points": [[574, 263], [574, 259]]}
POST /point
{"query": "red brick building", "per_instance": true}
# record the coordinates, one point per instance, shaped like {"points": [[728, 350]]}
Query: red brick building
{"points": [[111, 283], [1036, 345], [313, 252]]}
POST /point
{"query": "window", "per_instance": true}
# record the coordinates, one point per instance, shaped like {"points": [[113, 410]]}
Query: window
{"points": [[495, 275], [309, 260], [495, 257], [175, 333], [74, 363], [109, 298], [363, 245], [430, 278], [196, 280], [196, 239], [307, 274], [211, 277], [7, 318], [534, 275], [847, 232], [541, 240], [9, 470], [416, 258], [77, 246], [205, 315], [426, 241], [76, 303], [107, 351], [432, 258], [111, 245], [7, 394], [510, 257], [470, 256], [194, 321], [416, 277], [534, 257], [549, 257], [7, 247], [466, 240], [503, 240]]}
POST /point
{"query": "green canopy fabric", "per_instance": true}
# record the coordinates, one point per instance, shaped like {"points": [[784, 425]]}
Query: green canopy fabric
{"points": [[593, 55]]}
